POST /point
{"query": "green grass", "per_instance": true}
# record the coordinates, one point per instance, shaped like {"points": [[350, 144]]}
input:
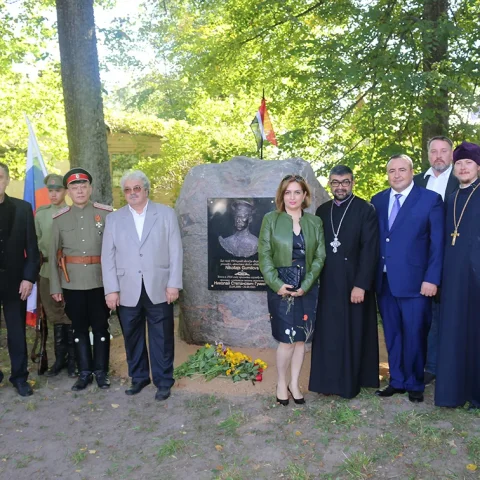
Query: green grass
{"points": [[425, 435], [230, 424], [112, 471], [358, 465], [30, 406], [78, 457], [473, 449], [24, 461], [170, 449], [295, 471], [235, 470], [229, 473], [337, 416], [202, 402], [388, 445]]}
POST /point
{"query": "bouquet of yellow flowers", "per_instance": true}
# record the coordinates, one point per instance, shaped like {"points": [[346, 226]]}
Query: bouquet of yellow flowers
{"points": [[214, 360]]}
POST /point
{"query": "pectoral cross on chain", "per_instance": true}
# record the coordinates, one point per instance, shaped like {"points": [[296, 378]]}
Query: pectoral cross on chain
{"points": [[335, 244], [454, 236]]}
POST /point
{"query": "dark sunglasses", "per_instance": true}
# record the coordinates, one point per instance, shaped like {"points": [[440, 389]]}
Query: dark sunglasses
{"points": [[299, 178]]}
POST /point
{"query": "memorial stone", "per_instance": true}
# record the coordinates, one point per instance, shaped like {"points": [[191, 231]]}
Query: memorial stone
{"points": [[236, 317]]}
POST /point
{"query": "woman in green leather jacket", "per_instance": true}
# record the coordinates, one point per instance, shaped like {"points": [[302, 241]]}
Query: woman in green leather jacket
{"points": [[289, 237]]}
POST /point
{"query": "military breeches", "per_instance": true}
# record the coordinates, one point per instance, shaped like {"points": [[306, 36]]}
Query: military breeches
{"points": [[54, 310], [87, 309]]}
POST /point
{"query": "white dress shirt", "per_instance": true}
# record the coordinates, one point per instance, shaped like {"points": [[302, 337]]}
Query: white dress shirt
{"points": [[139, 219], [438, 184], [402, 199]]}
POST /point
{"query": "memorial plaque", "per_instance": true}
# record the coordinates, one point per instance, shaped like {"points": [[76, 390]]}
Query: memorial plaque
{"points": [[233, 230]]}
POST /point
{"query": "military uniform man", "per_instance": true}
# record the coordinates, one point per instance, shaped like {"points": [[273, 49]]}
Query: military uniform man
{"points": [[62, 325], [76, 276]]}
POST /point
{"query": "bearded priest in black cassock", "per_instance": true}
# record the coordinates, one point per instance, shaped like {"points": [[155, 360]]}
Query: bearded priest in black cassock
{"points": [[345, 343], [458, 371]]}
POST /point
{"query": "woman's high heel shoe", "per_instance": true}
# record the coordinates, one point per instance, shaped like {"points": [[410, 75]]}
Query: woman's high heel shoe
{"points": [[298, 401], [282, 402]]}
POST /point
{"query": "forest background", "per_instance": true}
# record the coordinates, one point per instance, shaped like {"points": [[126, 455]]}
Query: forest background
{"points": [[346, 81]]}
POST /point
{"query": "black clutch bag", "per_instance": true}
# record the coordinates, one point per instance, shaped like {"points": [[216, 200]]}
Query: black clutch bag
{"points": [[291, 276]]}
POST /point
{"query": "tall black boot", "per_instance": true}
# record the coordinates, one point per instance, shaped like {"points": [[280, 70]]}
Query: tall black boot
{"points": [[60, 346], [83, 353], [101, 357], [71, 361]]}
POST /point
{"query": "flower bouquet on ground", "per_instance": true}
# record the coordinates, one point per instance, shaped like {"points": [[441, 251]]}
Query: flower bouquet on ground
{"points": [[211, 361]]}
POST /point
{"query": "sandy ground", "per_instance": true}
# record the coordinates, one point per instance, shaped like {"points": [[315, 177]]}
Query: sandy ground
{"points": [[225, 431], [225, 386]]}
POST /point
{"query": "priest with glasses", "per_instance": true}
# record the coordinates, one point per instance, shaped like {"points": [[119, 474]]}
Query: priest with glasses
{"points": [[345, 343]]}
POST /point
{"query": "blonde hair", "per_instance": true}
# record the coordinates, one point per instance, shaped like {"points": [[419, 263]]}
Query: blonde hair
{"points": [[286, 181]]}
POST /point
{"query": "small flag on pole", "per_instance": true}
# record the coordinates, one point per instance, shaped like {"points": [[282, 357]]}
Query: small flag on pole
{"points": [[262, 127], [36, 193]]}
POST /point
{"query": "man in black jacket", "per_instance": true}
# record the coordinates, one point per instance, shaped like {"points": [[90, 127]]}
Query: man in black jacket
{"points": [[439, 178], [19, 267]]}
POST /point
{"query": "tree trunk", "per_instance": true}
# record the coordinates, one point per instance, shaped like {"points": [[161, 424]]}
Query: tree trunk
{"points": [[435, 50], [86, 130]]}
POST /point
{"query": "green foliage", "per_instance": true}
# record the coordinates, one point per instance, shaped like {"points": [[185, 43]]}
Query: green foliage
{"points": [[134, 123], [346, 81], [42, 101], [210, 362], [204, 362]]}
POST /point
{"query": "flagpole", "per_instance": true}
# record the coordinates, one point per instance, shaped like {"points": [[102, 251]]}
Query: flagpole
{"points": [[261, 143]]}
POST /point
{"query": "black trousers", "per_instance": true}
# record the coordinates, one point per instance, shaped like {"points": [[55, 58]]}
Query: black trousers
{"points": [[160, 340], [87, 309], [15, 311]]}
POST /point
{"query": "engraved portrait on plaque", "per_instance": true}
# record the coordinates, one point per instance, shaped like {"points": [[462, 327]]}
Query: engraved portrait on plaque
{"points": [[233, 229]]}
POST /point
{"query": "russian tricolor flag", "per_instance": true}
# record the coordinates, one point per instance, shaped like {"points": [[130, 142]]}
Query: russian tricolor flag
{"points": [[36, 193]]}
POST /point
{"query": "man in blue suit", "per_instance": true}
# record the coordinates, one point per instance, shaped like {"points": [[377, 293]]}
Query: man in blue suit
{"points": [[411, 227]]}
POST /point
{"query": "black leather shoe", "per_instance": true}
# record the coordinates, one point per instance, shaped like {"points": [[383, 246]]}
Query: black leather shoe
{"points": [[162, 394], [102, 380], [1, 376], [298, 401], [283, 402], [415, 397], [23, 389], [84, 380], [389, 391], [137, 387], [428, 378]]}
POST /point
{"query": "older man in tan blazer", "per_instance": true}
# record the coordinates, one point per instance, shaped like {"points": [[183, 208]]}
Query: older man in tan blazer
{"points": [[142, 274]]}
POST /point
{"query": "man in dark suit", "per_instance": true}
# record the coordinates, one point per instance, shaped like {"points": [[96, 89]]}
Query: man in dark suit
{"points": [[438, 178], [19, 267], [411, 225]]}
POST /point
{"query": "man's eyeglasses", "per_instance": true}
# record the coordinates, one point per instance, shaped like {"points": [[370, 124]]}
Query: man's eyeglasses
{"points": [[135, 189], [299, 178], [343, 183]]}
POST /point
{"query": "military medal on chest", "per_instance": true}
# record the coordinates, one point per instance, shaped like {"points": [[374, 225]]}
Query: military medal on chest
{"points": [[335, 244], [98, 220]]}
